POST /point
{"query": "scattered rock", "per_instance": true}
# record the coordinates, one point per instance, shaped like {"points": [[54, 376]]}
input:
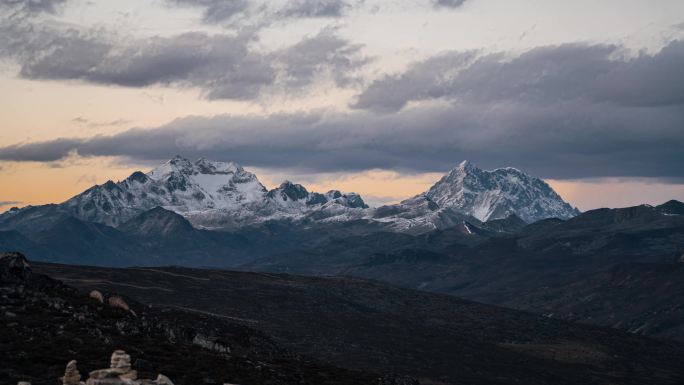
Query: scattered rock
{"points": [[116, 301], [96, 295]]}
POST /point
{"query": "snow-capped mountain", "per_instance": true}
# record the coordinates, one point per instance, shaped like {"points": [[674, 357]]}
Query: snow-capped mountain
{"points": [[498, 194], [470, 194], [209, 194], [223, 195]]}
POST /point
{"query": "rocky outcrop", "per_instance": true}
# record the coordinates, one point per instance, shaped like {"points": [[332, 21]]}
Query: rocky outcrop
{"points": [[14, 267]]}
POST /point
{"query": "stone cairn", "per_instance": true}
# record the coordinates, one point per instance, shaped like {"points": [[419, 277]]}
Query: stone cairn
{"points": [[71, 374], [119, 373]]}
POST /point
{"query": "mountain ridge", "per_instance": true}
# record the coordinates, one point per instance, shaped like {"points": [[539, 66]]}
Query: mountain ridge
{"points": [[224, 196]]}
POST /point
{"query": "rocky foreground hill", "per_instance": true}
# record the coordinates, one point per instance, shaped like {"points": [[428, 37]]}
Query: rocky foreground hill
{"points": [[366, 326], [45, 324]]}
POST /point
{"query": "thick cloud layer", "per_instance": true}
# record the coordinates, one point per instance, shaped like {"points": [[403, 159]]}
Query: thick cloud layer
{"points": [[221, 66], [573, 139], [541, 76], [568, 111]]}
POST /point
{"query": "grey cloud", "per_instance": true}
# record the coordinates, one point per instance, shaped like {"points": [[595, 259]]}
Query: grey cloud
{"points": [[216, 11], [31, 6], [316, 8], [7, 203], [221, 66], [94, 124], [322, 55], [572, 139], [429, 79], [448, 3], [540, 76], [40, 151]]}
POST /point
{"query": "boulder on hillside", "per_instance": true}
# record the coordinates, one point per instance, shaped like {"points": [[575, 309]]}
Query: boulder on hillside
{"points": [[14, 267]]}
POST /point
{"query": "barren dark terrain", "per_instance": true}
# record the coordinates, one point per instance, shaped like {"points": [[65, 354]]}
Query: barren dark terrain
{"points": [[373, 327], [45, 324]]}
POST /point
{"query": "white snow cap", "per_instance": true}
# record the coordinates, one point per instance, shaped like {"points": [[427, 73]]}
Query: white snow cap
{"points": [[497, 194]]}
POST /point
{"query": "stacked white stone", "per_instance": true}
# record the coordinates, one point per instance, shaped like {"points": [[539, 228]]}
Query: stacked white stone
{"points": [[121, 373], [71, 374]]}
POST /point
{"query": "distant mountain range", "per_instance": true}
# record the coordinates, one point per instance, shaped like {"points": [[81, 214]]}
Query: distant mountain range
{"points": [[224, 196], [500, 237]]}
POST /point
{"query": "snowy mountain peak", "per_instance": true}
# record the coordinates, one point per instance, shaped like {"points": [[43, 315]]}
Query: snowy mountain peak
{"points": [[205, 166], [289, 191], [208, 193], [138, 177], [178, 185], [180, 165], [465, 165], [498, 193]]}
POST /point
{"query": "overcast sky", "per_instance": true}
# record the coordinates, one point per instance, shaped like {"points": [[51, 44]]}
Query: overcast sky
{"points": [[377, 97]]}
